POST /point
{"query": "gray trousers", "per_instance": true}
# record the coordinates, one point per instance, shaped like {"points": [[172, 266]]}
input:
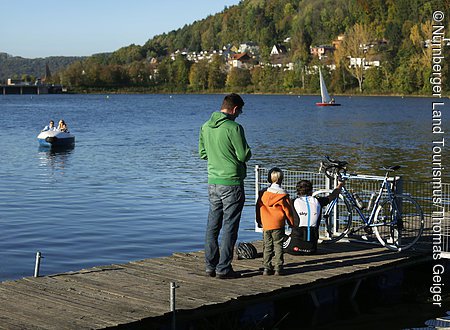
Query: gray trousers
{"points": [[273, 249]]}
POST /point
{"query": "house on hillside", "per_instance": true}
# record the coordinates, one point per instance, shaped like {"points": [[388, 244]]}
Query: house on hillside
{"points": [[281, 62], [366, 63], [241, 60], [278, 49], [279, 57], [228, 51], [251, 48], [322, 51], [183, 52]]}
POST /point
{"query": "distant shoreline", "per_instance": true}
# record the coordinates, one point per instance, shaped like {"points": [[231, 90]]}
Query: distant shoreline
{"points": [[126, 91]]}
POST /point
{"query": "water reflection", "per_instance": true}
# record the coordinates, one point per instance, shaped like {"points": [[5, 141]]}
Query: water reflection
{"points": [[55, 158]]}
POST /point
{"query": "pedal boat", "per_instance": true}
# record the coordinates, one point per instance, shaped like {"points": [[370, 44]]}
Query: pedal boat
{"points": [[56, 139]]}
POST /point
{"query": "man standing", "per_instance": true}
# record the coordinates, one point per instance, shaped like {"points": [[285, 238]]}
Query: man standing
{"points": [[222, 142]]}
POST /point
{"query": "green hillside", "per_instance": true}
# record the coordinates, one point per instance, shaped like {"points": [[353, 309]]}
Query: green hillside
{"points": [[19, 67], [371, 46]]}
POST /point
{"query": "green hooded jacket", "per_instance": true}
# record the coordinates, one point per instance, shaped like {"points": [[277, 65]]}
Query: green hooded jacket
{"points": [[222, 142]]}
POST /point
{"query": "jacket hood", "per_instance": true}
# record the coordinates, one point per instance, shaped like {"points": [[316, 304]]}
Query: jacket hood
{"points": [[217, 119], [276, 188], [273, 195]]}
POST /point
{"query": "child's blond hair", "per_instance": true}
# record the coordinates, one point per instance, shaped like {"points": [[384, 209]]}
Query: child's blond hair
{"points": [[275, 176]]}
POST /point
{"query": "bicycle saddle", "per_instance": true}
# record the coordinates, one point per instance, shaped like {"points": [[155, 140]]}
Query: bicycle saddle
{"points": [[391, 168], [337, 163]]}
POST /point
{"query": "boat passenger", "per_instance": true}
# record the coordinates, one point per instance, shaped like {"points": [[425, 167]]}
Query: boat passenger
{"points": [[332, 101], [50, 127], [62, 126]]}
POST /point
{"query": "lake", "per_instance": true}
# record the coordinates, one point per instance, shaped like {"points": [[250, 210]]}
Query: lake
{"points": [[133, 187]]}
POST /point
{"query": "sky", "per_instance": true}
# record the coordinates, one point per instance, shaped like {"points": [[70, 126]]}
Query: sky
{"points": [[42, 28]]}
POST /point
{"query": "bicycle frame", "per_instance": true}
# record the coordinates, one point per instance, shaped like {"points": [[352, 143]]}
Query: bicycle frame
{"points": [[368, 221]]}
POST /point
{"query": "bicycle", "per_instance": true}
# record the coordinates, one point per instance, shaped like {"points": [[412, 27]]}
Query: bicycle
{"points": [[397, 221]]}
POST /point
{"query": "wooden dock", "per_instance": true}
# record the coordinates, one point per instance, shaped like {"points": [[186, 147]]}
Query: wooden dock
{"points": [[136, 292]]}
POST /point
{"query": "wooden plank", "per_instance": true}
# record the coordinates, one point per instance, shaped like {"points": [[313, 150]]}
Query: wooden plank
{"points": [[9, 323], [122, 289], [27, 308], [187, 278], [104, 305], [197, 285], [122, 285], [95, 291], [71, 308]]}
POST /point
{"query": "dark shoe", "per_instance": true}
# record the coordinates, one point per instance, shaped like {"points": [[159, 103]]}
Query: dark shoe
{"points": [[267, 272], [231, 274], [211, 273]]}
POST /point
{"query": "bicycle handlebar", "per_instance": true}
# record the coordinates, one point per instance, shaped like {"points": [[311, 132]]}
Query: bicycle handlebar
{"points": [[333, 168]]}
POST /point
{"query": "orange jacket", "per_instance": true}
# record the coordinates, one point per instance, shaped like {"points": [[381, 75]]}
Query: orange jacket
{"points": [[273, 209]]}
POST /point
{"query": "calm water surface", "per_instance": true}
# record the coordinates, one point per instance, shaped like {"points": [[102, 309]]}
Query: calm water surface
{"points": [[133, 186]]}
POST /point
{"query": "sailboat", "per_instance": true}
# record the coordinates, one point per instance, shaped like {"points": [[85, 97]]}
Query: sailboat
{"points": [[326, 99]]}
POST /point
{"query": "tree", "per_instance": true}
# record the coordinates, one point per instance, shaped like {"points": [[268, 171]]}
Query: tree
{"points": [[374, 80], [422, 57], [267, 79], [74, 75], [180, 72], [238, 78], [216, 73], [138, 73], [290, 79], [356, 46], [198, 76], [164, 74], [127, 55]]}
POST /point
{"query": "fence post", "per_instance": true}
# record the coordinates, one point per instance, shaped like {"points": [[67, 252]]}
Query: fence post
{"points": [[257, 229], [37, 264], [331, 185], [256, 182], [398, 191], [398, 185], [173, 286], [327, 182]]}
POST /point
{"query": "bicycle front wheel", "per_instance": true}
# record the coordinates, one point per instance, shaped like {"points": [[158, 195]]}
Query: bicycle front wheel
{"points": [[398, 223], [336, 217]]}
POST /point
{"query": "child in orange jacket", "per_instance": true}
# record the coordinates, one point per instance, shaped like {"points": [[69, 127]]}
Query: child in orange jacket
{"points": [[273, 208]]}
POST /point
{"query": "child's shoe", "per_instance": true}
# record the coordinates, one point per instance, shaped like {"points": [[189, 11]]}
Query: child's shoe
{"points": [[279, 272], [267, 272]]}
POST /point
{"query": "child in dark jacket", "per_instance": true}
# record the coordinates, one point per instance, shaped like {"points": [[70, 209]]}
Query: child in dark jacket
{"points": [[273, 208]]}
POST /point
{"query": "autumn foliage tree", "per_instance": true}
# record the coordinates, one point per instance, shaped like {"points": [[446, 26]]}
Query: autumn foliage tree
{"points": [[356, 46]]}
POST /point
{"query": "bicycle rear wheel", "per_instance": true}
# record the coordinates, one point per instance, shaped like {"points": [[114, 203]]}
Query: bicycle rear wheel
{"points": [[398, 223], [336, 217]]}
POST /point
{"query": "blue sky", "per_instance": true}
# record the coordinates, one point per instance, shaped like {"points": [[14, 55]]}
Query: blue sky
{"points": [[41, 28]]}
